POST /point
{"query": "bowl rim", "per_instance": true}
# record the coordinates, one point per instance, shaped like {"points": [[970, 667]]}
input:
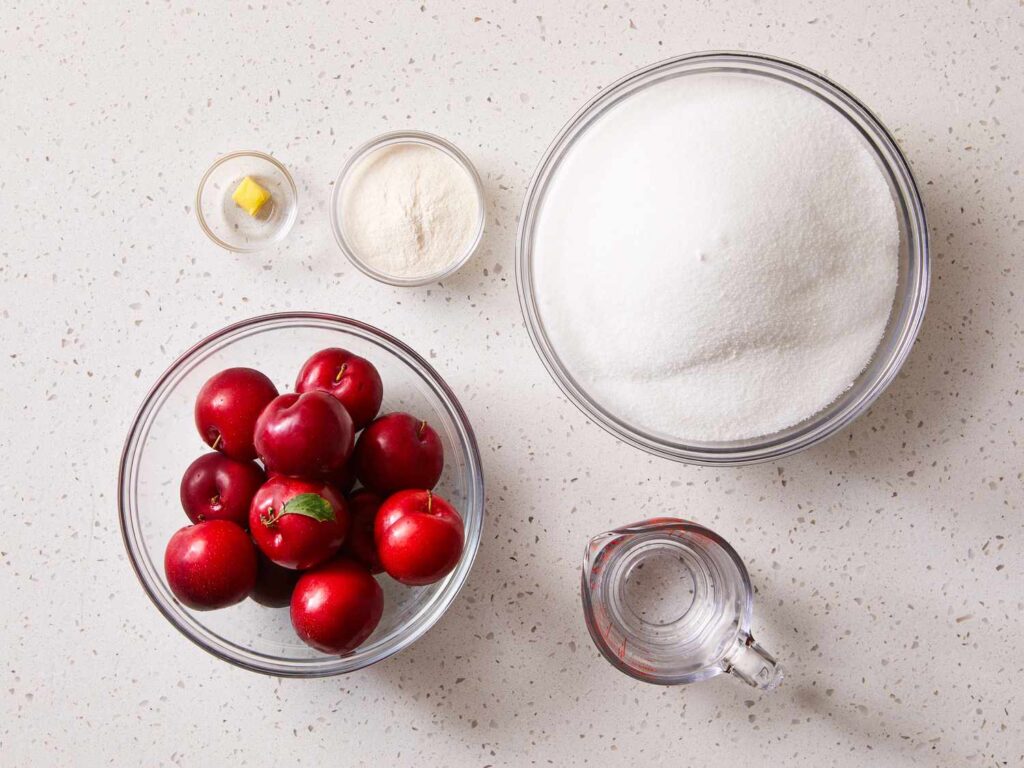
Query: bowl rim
{"points": [[238, 655], [913, 300], [406, 137], [285, 229]]}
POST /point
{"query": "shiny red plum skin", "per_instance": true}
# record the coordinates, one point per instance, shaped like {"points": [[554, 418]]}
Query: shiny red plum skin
{"points": [[304, 435], [296, 541], [216, 487], [349, 378], [210, 565], [398, 452], [227, 408], [419, 537], [337, 606]]}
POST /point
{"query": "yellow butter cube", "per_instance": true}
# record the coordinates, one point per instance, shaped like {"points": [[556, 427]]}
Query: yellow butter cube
{"points": [[250, 196]]}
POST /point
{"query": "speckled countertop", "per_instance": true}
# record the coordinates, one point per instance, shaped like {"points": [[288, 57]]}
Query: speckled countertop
{"points": [[887, 562]]}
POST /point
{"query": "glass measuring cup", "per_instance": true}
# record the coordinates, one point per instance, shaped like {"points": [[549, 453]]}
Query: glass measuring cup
{"points": [[668, 601]]}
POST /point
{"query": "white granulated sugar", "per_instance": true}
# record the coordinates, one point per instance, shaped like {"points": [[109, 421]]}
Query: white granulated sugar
{"points": [[409, 210], [716, 258]]}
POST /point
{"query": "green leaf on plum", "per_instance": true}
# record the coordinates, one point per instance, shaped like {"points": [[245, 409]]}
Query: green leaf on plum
{"points": [[311, 505]]}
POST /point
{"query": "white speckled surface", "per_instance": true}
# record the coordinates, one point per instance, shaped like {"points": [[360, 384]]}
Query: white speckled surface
{"points": [[888, 562]]}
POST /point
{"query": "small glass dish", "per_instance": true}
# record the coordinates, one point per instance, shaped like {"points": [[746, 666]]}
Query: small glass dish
{"points": [[230, 227], [908, 306], [162, 441], [374, 145]]}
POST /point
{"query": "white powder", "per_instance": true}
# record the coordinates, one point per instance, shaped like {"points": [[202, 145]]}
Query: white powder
{"points": [[717, 257], [409, 210]]}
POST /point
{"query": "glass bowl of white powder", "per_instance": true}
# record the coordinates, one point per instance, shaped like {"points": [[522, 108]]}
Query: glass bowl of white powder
{"points": [[408, 208], [723, 258]]}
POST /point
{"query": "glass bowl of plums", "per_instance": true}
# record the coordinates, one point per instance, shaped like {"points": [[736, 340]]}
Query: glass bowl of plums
{"points": [[300, 494]]}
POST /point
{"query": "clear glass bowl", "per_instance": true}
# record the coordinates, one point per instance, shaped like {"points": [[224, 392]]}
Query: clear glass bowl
{"points": [[229, 226], [163, 441], [911, 290], [374, 145]]}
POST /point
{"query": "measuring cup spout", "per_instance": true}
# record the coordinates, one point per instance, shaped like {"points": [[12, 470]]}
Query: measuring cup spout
{"points": [[753, 664]]}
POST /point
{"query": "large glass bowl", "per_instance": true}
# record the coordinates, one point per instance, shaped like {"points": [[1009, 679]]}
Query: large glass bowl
{"points": [[904, 319], [163, 441]]}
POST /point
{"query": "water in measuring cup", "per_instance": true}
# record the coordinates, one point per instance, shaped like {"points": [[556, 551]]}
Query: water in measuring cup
{"points": [[669, 601]]}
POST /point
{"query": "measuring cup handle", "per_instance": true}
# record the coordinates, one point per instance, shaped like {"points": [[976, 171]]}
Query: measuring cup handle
{"points": [[753, 664]]}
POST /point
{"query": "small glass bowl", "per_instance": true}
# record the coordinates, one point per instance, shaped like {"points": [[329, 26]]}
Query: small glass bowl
{"points": [[163, 441], [390, 139], [226, 223], [904, 319]]}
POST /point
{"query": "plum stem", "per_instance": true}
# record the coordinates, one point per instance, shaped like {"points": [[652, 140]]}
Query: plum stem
{"points": [[430, 501], [421, 430], [216, 441], [341, 372], [270, 519]]}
